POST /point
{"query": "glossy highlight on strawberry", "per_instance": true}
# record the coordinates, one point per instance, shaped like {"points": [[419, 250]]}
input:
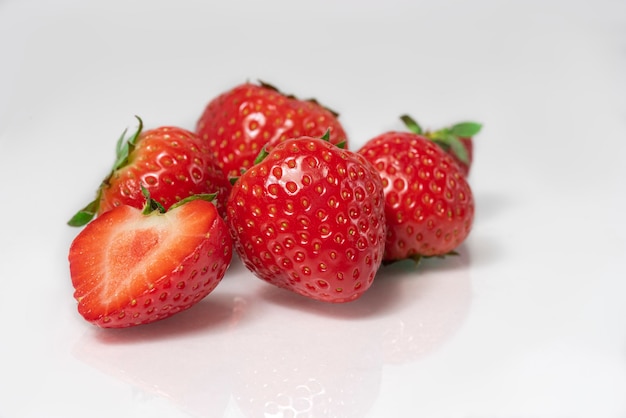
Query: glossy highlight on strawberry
{"points": [[310, 218], [238, 123]]}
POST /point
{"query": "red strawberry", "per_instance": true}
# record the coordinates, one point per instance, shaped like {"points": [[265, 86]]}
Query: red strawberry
{"points": [[456, 140], [130, 267], [310, 218], [238, 123], [172, 163], [429, 206]]}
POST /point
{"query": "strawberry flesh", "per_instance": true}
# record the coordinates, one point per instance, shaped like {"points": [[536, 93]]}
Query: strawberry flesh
{"points": [[128, 268]]}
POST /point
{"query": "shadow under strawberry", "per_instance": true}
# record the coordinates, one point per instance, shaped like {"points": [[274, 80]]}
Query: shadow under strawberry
{"points": [[376, 301], [184, 359]]}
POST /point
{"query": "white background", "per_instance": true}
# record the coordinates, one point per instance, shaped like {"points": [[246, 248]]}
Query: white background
{"points": [[529, 321]]}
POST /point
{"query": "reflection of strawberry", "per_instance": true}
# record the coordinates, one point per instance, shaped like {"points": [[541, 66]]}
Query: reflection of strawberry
{"points": [[429, 310], [170, 162], [167, 361], [309, 218], [328, 368], [429, 206], [456, 140], [238, 123], [130, 268]]}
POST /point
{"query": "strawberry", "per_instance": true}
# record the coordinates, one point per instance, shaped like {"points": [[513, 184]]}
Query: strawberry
{"points": [[170, 162], [429, 206], [239, 122], [132, 267], [309, 218], [456, 140]]}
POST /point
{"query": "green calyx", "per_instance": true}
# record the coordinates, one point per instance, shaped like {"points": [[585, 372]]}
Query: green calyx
{"points": [[418, 258], [152, 205], [209, 197], [326, 137], [291, 96], [123, 150], [447, 138]]}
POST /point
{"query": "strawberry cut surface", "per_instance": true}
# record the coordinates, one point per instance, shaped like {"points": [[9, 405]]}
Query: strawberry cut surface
{"points": [[128, 268]]}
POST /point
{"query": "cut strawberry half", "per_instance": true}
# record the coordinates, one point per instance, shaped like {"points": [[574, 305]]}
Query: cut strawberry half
{"points": [[130, 267]]}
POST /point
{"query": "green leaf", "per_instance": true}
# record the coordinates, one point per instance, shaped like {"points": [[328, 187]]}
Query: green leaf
{"points": [[466, 129], [120, 144], [457, 148], [261, 156], [151, 204], [411, 124], [209, 197], [125, 147], [326, 137], [86, 214]]}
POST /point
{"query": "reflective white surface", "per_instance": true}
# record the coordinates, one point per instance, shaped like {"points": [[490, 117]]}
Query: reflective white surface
{"points": [[529, 321]]}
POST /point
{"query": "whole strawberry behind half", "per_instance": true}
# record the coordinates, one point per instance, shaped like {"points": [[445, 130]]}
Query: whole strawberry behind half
{"points": [[429, 205], [309, 217], [170, 162], [238, 123], [131, 267]]}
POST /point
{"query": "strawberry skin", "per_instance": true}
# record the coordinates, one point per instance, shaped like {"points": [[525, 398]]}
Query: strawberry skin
{"points": [[310, 218], [129, 268], [238, 123], [429, 205], [170, 162]]}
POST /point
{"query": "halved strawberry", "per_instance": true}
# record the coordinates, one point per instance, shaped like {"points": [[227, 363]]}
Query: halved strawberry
{"points": [[132, 267]]}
